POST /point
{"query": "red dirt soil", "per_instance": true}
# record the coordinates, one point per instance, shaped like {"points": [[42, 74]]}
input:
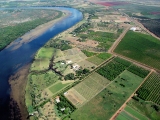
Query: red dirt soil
{"points": [[112, 3]]}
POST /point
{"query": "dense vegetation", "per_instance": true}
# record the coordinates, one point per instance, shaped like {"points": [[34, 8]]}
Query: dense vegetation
{"points": [[59, 44], [10, 33], [111, 70], [138, 71], [64, 103], [140, 47], [149, 91], [152, 25]]}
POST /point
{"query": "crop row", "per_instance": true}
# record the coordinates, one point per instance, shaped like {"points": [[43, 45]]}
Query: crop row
{"points": [[150, 90], [138, 71], [111, 70]]}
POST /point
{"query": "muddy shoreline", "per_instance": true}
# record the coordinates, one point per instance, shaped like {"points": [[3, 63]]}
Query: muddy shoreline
{"points": [[18, 81]]}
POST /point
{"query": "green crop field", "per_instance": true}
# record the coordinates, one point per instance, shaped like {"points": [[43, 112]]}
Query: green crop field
{"points": [[135, 113], [140, 47], [124, 116], [95, 60], [57, 87], [150, 90], [88, 53], [42, 59], [107, 102], [149, 111], [104, 56]]}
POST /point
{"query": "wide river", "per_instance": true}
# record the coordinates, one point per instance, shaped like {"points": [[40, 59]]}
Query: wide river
{"points": [[11, 60]]}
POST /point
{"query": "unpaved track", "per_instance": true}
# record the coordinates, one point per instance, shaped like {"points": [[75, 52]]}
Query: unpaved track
{"points": [[124, 105], [111, 49]]}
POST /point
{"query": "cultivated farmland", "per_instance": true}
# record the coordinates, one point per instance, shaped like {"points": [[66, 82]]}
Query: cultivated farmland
{"points": [[87, 89], [107, 102], [150, 90], [140, 47]]}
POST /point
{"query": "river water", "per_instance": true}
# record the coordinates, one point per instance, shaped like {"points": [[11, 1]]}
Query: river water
{"points": [[12, 60]]}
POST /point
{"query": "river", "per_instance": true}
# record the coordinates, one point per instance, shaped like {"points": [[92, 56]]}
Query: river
{"points": [[11, 60]]}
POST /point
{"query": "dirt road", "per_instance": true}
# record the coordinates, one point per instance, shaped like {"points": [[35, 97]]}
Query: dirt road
{"points": [[124, 105]]}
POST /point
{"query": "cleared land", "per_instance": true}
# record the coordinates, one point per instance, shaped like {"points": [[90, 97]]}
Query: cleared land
{"points": [[87, 89], [150, 90], [140, 47], [107, 102]]}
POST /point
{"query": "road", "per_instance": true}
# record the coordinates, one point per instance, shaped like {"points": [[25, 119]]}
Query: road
{"points": [[125, 103]]}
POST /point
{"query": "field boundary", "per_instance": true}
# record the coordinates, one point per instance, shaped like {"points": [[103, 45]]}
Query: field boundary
{"points": [[124, 104]]}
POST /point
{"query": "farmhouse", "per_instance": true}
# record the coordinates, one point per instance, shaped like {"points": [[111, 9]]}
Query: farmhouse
{"points": [[75, 66], [133, 28], [57, 99]]}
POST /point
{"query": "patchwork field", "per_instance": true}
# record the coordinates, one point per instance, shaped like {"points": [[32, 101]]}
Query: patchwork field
{"points": [[140, 47], [107, 102], [86, 90], [42, 59]]}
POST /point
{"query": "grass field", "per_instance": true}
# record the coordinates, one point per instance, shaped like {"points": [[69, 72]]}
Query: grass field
{"points": [[95, 60], [88, 88], [124, 116], [107, 102], [98, 59], [57, 87], [135, 113], [149, 111], [140, 47], [42, 59]]}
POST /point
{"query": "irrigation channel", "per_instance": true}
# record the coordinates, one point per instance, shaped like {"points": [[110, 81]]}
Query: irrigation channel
{"points": [[11, 60]]}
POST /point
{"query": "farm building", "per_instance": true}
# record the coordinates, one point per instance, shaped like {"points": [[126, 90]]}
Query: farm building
{"points": [[75, 66], [57, 99], [133, 28]]}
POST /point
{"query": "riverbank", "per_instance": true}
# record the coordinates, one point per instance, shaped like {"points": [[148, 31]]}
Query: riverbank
{"points": [[18, 81]]}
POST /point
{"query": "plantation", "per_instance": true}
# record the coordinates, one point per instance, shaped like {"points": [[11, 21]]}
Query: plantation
{"points": [[138, 71], [150, 90], [111, 70], [107, 102], [140, 47]]}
